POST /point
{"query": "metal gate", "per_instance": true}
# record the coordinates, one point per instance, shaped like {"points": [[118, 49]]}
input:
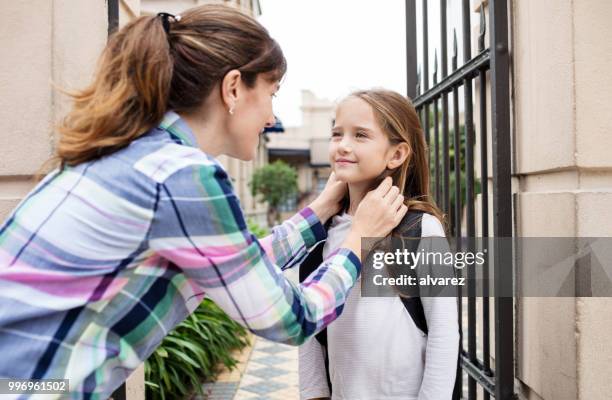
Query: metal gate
{"points": [[433, 103]]}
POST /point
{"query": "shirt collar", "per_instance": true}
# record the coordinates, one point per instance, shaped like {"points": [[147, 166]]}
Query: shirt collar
{"points": [[177, 127]]}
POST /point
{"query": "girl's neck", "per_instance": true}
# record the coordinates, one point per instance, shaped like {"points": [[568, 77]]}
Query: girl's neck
{"points": [[357, 192]]}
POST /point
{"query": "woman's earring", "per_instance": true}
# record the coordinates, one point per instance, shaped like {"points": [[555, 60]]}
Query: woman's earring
{"points": [[231, 110]]}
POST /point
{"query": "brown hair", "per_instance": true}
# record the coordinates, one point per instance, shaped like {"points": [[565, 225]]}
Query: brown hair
{"points": [[398, 119], [145, 71]]}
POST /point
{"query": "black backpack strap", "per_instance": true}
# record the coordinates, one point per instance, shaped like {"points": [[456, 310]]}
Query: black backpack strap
{"points": [[414, 306], [313, 260], [410, 227]]}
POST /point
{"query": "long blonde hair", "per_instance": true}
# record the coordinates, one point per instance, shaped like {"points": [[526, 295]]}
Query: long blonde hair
{"points": [[398, 119], [145, 71]]}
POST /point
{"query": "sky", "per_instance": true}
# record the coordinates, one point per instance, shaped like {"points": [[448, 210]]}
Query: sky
{"points": [[335, 46]]}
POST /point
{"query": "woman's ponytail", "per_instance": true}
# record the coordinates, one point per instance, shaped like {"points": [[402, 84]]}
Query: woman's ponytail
{"points": [[127, 97]]}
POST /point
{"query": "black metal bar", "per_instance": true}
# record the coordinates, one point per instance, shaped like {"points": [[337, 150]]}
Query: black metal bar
{"points": [[456, 79], [113, 15], [412, 80], [418, 92], [443, 40], [502, 196], [457, 140], [425, 72], [458, 390], [436, 133], [445, 146], [426, 128], [474, 368], [469, 192], [425, 48], [484, 184]]}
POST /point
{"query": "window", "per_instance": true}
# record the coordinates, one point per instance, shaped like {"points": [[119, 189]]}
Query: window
{"points": [[290, 205]]}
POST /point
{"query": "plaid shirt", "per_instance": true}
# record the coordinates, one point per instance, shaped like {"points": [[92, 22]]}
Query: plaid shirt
{"points": [[100, 261]]}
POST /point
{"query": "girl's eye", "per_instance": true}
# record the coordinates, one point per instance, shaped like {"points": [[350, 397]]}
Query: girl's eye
{"points": [[361, 135], [336, 134]]}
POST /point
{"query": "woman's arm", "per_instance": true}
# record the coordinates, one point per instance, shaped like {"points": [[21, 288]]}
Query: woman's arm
{"points": [[287, 244], [280, 246], [199, 226], [313, 378]]}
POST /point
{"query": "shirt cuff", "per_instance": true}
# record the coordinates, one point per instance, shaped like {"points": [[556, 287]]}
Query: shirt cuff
{"points": [[350, 259], [314, 393], [310, 226]]}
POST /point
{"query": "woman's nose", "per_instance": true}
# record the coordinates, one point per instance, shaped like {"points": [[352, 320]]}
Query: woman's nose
{"points": [[270, 121], [344, 146]]}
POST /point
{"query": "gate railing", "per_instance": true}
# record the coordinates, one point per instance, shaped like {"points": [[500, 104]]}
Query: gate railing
{"points": [[492, 61]]}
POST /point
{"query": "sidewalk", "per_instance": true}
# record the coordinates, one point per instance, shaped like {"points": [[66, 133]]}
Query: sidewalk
{"points": [[266, 371]]}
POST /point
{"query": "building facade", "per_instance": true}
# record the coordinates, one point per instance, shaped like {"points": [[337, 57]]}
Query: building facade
{"points": [[304, 147]]}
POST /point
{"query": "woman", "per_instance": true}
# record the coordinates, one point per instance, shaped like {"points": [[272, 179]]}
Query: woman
{"points": [[139, 222]]}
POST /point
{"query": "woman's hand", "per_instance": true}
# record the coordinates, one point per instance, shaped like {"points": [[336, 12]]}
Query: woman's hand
{"points": [[328, 203], [381, 210]]}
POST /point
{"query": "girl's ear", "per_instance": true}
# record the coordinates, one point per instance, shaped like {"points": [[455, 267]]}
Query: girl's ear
{"points": [[399, 155]]}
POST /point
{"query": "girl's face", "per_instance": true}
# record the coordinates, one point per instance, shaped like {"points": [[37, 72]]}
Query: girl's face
{"points": [[359, 150]]}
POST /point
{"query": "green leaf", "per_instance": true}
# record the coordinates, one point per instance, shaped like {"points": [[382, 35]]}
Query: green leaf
{"points": [[190, 353]]}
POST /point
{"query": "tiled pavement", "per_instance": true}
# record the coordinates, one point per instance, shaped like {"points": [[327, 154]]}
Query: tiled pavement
{"points": [[272, 373], [266, 371]]}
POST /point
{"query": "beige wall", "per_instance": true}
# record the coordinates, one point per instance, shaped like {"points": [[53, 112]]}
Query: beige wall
{"points": [[562, 183], [562, 56], [43, 42], [128, 11]]}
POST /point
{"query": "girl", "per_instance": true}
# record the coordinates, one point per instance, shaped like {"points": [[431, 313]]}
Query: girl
{"points": [[121, 242], [376, 350]]}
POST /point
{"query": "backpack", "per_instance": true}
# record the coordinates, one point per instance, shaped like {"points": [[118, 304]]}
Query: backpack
{"points": [[409, 227]]}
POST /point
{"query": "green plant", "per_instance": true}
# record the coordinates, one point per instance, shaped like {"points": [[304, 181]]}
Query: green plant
{"points": [[256, 229], [191, 353], [275, 183]]}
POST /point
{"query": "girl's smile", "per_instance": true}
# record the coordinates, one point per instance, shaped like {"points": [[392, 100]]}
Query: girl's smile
{"points": [[343, 162]]}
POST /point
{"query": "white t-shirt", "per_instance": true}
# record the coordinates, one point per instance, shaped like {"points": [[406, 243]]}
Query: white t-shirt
{"points": [[376, 352]]}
